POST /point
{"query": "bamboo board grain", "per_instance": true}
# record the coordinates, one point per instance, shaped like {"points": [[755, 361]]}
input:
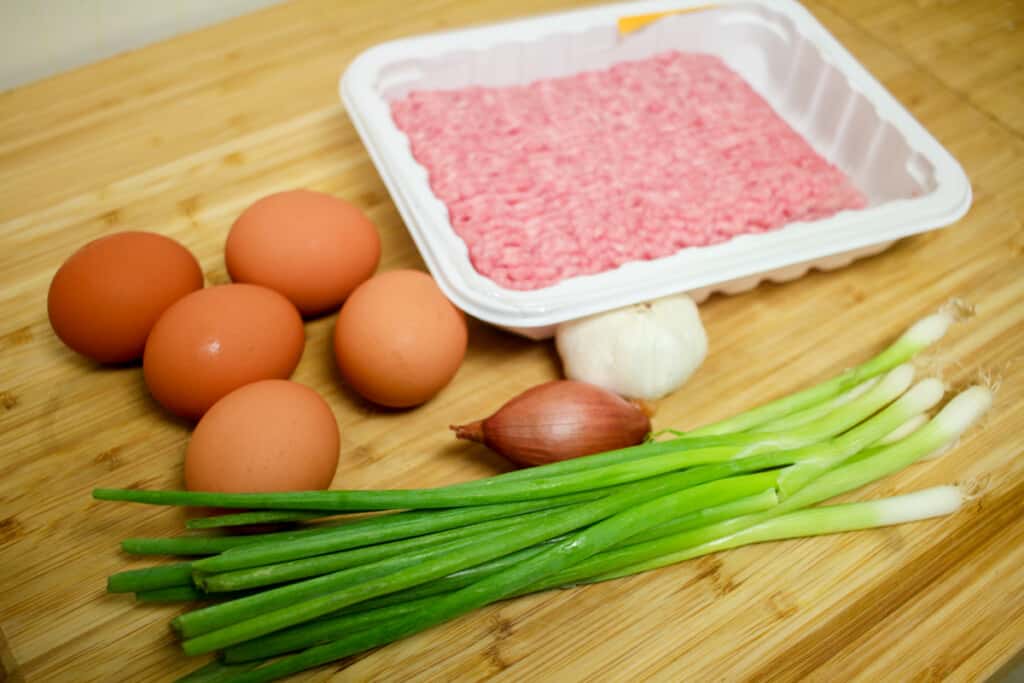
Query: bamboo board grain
{"points": [[179, 137]]}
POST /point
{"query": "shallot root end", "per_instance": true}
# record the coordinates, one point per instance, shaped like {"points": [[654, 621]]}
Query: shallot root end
{"points": [[471, 431]]}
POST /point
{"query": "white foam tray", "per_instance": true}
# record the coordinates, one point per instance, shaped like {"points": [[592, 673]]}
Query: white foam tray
{"points": [[912, 183]]}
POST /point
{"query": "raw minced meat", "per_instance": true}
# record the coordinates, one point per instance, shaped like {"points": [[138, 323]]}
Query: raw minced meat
{"points": [[576, 175]]}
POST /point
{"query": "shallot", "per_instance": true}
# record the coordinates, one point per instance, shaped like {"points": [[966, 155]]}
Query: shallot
{"points": [[559, 420]]}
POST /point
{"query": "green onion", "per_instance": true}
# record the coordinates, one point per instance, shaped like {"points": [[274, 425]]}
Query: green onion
{"points": [[376, 530], [346, 535], [946, 427], [171, 594], [408, 600], [474, 552], [581, 545], [815, 412], [316, 565], [920, 398], [922, 334], [749, 505], [465, 577], [438, 553], [215, 671], [905, 429], [351, 572], [934, 502], [298, 637], [831, 519], [497, 492], [150, 578], [183, 545], [188, 593], [256, 517], [914, 340]]}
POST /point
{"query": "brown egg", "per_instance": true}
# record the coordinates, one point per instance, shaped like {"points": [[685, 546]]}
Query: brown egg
{"points": [[272, 435], [398, 340], [106, 297], [311, 247], [218, 339]]}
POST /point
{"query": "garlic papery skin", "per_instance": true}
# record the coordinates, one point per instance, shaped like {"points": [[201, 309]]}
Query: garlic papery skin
{"points": [[643, 351]]}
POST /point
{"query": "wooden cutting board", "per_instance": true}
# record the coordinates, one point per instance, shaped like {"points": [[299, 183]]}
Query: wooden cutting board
{"points": [[178, 138]]}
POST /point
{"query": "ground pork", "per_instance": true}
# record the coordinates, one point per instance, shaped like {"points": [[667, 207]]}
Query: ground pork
{"points": [[576, 175]]}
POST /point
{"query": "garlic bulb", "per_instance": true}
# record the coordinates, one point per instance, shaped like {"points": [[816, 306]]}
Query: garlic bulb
{"points": [[643, 351]]}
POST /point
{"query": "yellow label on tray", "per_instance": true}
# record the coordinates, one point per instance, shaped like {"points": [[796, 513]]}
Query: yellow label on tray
{"points": [[638, 21]]}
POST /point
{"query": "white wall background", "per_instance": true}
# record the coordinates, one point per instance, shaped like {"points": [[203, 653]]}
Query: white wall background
{"points": [[39, 38]]}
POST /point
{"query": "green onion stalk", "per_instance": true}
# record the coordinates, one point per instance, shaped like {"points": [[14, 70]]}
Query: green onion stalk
{"points": [[776, 524], [297, 598]]}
